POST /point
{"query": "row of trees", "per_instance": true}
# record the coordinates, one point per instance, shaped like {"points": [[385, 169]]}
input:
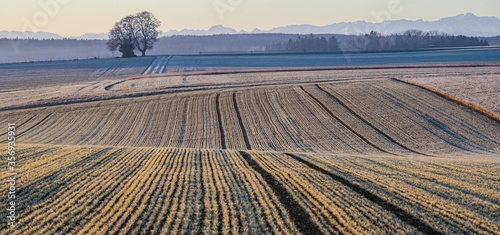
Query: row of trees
{"points": [[412, 40], [139, 31], [312, 43]]}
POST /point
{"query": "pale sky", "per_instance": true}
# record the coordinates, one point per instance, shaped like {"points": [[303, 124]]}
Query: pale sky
{"points": [[76, 17]]}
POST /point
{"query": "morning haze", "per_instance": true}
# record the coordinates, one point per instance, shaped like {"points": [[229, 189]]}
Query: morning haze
{"points": [[69, 16]]}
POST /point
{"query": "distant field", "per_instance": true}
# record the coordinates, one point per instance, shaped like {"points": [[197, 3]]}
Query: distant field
{"points": [[124, 146], [271, 118], [61, 82], [217, 62], [19, 76]]}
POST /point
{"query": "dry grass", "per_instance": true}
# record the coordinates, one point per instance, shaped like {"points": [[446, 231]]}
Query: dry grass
{"points": [[475, 97], [87, 189], [366, 156]]}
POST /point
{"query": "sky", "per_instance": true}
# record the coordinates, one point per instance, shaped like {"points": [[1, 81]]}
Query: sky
{"points": [[75, 17]]}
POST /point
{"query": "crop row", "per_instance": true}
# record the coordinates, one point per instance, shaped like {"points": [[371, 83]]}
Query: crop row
{"points": [[121, 190], [81, 190], [364, 117]]}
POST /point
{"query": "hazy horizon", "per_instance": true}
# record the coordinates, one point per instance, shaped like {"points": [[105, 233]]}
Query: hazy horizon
{"points": [[91, 16]]}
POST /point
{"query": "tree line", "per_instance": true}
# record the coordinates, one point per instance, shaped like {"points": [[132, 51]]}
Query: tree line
{"points": [[412, 40], [374, 41], [312, 43]]}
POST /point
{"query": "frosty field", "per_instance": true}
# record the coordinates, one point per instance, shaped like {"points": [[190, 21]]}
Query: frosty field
{"points": [[130, 147]]}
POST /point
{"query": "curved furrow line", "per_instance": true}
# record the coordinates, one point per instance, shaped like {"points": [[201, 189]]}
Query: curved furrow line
{"points": [[218, 204], [279, 127], [470, 132], [129, 171], [469, 190], [175, 193], [461, 222], [469, 125], [298, 214], [291, 124], [31, 128], [181, 205], [237, 190], [244, 188], [316, 127], [320, 213], [369, 124], [203, 211], [184, 119], [93, 159], [141, 183], [266, 204], [400, 213], [35, 177], [33, 156], [240, 121], [219, 119], [330, 202], [104, 192], [428, 123], [172, 176], [345, 124], [428, 116], [20, 125], [78, 124], [154, 209], [87, 188], [92, 134], [121, 202], [54, 191], [142, 201], [225, 212], [440, 213]]}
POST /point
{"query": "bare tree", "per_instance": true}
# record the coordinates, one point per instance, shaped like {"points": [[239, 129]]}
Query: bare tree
{"points": [[138, 31], [122, 37], [147, 31]]}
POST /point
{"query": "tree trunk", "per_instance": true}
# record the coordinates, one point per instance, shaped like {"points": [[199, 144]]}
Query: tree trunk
{"points": [[143, 53]]}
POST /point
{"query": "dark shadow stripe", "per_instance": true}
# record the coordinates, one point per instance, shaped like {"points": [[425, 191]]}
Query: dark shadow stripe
{"points": [[203, 213], [29, 129], [400, 213], [219, 119], [20, 125], [368, 123], [108, 87], [243, 130], [343, 123], [297, 213]]}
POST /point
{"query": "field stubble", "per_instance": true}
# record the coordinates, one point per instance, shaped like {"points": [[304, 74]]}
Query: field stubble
{"points": [[366, 156]]}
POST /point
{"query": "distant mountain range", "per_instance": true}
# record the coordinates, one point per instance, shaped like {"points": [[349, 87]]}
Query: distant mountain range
{"points": [[464, 24]]}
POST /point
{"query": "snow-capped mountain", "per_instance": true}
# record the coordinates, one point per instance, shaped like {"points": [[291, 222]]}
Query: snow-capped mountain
{"points": [[218, 29], [28, 34], [93, 36], [464, 24]]}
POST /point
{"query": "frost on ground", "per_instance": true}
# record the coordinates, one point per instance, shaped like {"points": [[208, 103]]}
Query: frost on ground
{"points": [[479, 89]]}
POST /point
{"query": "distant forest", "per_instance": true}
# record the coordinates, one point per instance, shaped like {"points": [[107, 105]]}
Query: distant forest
{"points": [[409, 40], [312, 43], [24, 50]]}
